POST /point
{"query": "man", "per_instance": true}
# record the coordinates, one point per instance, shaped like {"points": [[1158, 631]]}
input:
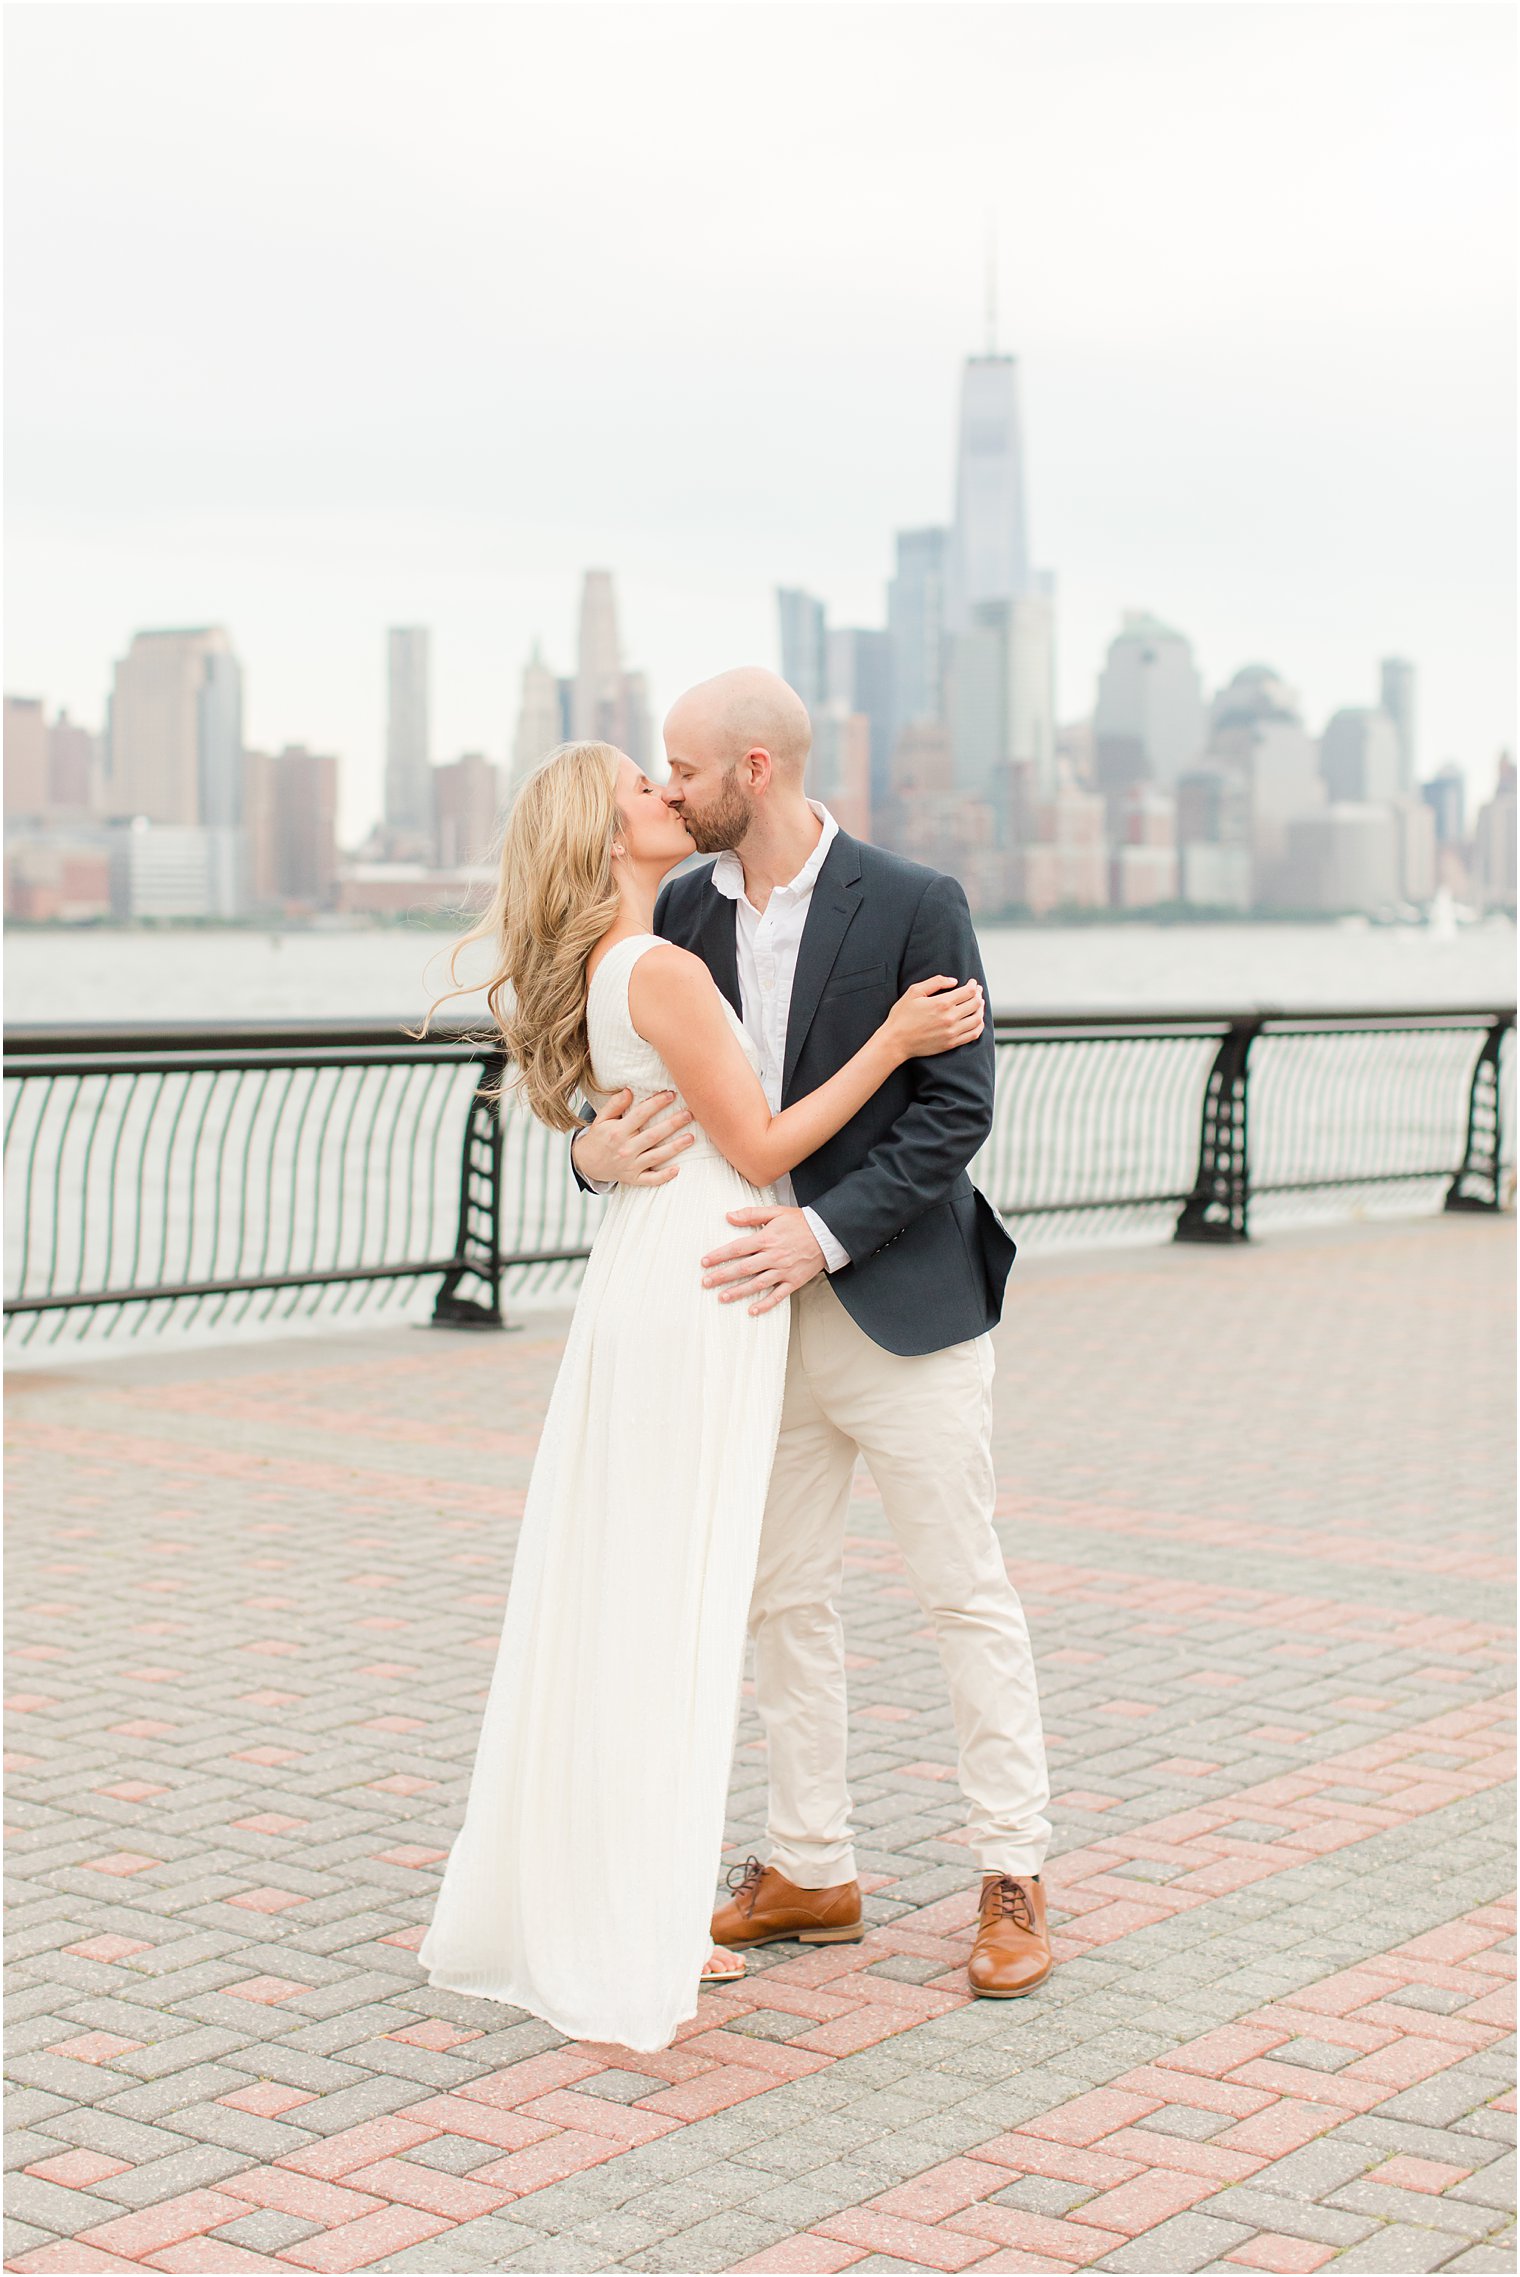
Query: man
{"points": [[895, 1268]]}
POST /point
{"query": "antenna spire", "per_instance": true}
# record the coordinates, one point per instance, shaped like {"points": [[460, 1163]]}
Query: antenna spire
{"points": [[992, 283]]}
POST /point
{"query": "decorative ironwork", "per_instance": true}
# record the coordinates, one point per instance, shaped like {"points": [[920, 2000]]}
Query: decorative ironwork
{"points": [[180, 1173], [1478, 1185], [477, 1244], [1216, 1209]]}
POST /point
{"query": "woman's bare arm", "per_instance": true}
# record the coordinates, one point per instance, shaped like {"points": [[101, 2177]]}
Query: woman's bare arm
{"points": [[675, 1006]]}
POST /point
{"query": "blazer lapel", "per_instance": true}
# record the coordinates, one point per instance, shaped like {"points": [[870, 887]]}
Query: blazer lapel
{"points": [[836, 898], [717, 944]]}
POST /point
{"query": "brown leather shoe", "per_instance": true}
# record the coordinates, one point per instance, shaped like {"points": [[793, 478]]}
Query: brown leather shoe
{"points": [[766, 1908], [1012, 1950]]}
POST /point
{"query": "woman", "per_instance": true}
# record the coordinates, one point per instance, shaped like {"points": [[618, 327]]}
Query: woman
{"points": [[581, 1882]]}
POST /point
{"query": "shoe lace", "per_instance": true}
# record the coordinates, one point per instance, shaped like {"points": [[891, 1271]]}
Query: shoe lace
{"points": [[1011, 1901], [747, 1884]]}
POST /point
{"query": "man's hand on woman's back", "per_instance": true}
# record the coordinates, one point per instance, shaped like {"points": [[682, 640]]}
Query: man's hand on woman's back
{"points": [[632, 1145]]}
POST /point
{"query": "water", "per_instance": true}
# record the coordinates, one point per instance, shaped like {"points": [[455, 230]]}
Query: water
{"points": [[203, 1180], [393, 971]]}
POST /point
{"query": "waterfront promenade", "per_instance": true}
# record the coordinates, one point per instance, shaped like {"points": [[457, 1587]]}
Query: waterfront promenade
{"points": [[1257, 1501]]}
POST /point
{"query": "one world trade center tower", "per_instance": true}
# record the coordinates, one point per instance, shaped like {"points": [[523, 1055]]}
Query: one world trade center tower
{"points": [[989, 545]]}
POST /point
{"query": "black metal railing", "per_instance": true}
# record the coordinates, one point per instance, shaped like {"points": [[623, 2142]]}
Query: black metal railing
{"points": [[1203, 1124], [177, 1172]]}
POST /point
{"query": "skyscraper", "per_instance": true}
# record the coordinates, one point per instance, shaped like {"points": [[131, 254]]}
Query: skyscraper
{"points": [[73, 766], [607, 704], [976, 699], [1030, 620], [804, 644], [916, 622], [598, 703], [466, 805], [539, 720], [1446, 796], [1396, 694], [637, 738], [1359, 758], [1256, 722], [408, 780], [1214, 835], [858, 678], [1494, 842], [1414, 829], [50, 768], [291, 803], [176, 735], [1148, 725], [989, 544], [219, 741], [598, 665], [1345, 858], [26, 758]]}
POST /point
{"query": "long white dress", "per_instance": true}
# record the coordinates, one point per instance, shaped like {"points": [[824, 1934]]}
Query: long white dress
{"points": [[581, 1883]]}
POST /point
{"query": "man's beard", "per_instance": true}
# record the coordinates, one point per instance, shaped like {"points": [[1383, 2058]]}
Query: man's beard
{"points": [[722, 827]]}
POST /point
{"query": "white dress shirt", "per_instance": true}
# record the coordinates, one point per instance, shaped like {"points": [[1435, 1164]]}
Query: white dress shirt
{"points": [[767, 944]]}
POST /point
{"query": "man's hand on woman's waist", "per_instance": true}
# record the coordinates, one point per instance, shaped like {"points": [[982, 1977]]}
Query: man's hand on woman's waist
{"points": [[632, 1145]]}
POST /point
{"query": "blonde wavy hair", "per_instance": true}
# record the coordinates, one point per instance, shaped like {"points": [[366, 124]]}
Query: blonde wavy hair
{"points": [[555, 897]]}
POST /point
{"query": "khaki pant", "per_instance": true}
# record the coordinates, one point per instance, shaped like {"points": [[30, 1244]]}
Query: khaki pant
{"points": [[924, 1427]]}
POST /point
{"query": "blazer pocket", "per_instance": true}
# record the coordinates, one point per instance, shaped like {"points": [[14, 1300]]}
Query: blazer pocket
{"points": [[845, 983]]}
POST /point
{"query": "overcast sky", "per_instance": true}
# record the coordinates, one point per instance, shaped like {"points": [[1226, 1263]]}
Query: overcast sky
{"points": [[323, 318]]}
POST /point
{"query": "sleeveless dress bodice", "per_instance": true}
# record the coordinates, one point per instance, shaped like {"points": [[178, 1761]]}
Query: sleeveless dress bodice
{"points": [[621, 1059]]}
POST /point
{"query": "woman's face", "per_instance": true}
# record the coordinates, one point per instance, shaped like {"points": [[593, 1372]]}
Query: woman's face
{"points": [[655, 838]]}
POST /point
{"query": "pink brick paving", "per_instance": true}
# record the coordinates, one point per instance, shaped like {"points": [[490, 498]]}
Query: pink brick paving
{"points": [[1270, 1641]]}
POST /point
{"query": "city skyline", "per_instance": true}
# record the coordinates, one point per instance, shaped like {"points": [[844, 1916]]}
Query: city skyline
{"points": [[1277, 417], [934, 735]]}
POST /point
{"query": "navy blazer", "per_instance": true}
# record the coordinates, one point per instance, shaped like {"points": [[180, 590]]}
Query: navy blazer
{"points": [[929, 1256]]}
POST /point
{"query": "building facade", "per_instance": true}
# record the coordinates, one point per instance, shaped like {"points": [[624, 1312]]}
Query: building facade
{"points": [[26, 759], [859, 678], [177, 870], [1214, 860], [291, 802], [1346, 859], [1143, 867], [466, 811], [1149, 722], [1396, 697], [916, 623], [74, 767], [1064, 864], [1446, 796], [1414, 833], [176, 730], [1494, 842], [1256, 726], [1359, 757]]}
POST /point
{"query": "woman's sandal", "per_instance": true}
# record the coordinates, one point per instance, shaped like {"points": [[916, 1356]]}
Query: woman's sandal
{"points": [[722, 1967]]}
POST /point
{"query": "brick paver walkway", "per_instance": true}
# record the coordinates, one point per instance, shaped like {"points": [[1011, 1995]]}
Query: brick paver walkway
{"points": [[1257, 1503]]}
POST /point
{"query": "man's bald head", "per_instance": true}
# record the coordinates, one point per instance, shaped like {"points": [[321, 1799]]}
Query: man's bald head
{"points": [[738, 746], [735, 713]]}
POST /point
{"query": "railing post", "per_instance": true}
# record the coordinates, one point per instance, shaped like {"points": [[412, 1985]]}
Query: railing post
{"points": [[1218, 1207], [1476, 1184], [477, 1245]]}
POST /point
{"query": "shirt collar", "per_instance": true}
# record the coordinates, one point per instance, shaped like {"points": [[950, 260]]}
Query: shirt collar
{"points": [[728, 870]]}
